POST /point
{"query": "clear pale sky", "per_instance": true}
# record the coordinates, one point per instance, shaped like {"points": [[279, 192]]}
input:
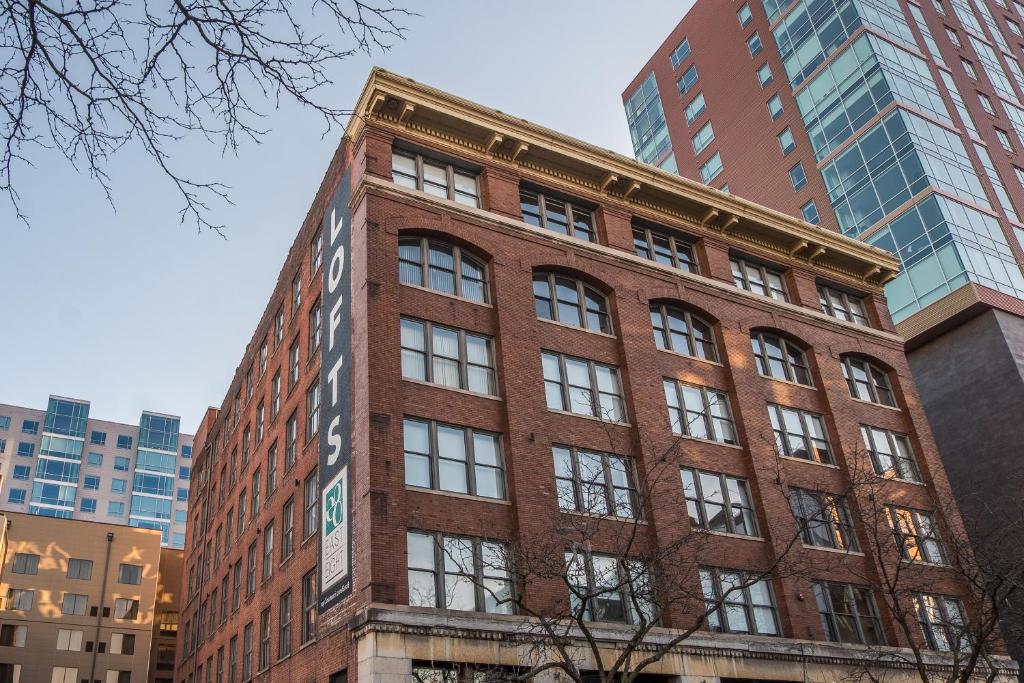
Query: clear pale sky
{"points": [[132, 311]]}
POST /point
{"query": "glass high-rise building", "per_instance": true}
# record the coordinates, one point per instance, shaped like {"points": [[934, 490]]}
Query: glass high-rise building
{"points": [[62, 462], [896, 122]]}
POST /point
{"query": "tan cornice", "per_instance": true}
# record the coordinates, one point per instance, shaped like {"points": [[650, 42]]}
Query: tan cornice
{"points": [[698, 282], [415, 110]]}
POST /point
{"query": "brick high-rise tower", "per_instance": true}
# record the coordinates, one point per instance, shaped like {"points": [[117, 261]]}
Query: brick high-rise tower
{"points": [[900, 123], [487, 334]]}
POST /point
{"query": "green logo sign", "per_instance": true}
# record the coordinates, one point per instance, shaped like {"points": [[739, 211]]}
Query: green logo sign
{"points": [[334, 506]]}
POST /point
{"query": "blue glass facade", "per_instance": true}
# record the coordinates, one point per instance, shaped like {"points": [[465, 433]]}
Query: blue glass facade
{"points": [[129, 474], [646, 118], [942, 245]]}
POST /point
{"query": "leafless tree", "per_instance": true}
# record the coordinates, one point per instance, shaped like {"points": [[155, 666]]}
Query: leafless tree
{"points": [[87, 78], [599, 562], [947, 575]]}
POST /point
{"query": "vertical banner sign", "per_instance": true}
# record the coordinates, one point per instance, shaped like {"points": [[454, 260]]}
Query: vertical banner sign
{"points": [[336, 404]]}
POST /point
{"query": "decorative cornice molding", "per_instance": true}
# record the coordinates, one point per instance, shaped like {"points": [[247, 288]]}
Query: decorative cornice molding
{"points": [[470, 129]]}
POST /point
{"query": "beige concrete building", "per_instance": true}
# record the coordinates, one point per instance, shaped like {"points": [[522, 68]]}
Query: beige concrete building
{"points": [[78, 601]]}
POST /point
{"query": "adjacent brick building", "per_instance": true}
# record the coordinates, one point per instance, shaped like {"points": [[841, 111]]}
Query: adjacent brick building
{"points": [[508, 289], [900, 123]]}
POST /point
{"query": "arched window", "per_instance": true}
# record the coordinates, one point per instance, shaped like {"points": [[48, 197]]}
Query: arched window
{"points": [[867, 382], [678, 330], [567, 300], [442, 267], [780, 358]]}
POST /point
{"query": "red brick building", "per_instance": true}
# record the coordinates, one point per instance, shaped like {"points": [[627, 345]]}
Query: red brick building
{"points": [[506, 281]]}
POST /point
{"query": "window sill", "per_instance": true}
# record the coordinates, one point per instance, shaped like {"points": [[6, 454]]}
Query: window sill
{"points": [[789, 382], [922, 563], [610, 518], [567, 326], [446, 295], [589, 417], [835, 551], [455, 389], [708, 441], [308, 643], [877, 405], [454, 494], [697, 359], [897, 480], [809, 462], [726, 534], [306, 540]]}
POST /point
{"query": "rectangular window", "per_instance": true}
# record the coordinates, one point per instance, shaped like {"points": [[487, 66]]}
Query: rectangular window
{"points": [[13, 636], [20, 599], [764, 75], [74, 604], [1004, 140], [797, 177], [594, 483], [291, 439], [459, 573], [719, 502], [79, 569], [848, 613], [986, 104], [293, 363], [257, 479], [809, 211], [287, 529], [738, 602], [890, 453], [98, 438], [284, 625], [16, 496], [126, 608], [609, 589], [124, 442], [699, 412], [916, 535], [268, 551], [5, 422], [30, 426], [250, 570], [88, 505], [775, 107], [681, 52], [64, 674], [122, 464], [664, 248], [247, 652], [711, 168], [558, 215], [452, 458], [824, 519], [786, 141], [236, 585], [278, 327], [800, 434], [130, 574], [271, 469], [695, 108], [309, 606], [26, 563], [758, 279], [310, 504], [842, 305], [744, 16], [969, 69], [275, 395], [434, 177], [583, 387], [263, 358], [688, 80], [448, 357], [115, 508], [943, 622], [122, 643], [754, 46], [313, 409], [703, 138], [264, 660], [297, 293], [260, 422], [26, 449], [91, 483], [69, 640], [315, 327], [232, 659]]}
